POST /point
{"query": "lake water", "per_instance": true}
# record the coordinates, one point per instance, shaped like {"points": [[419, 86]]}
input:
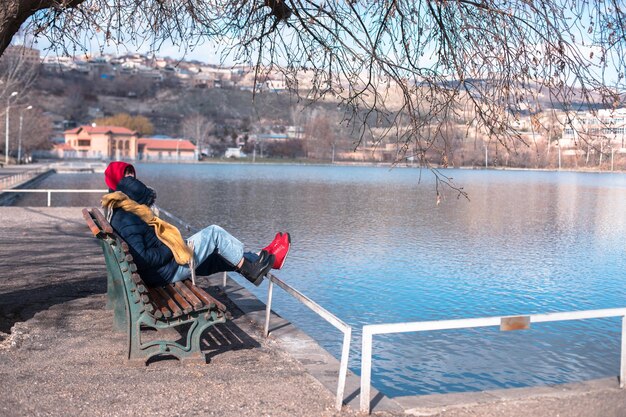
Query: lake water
{"points": [[371, 245]]}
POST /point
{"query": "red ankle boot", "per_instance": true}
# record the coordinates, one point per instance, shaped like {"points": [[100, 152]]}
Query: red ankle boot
{"points": [[276, 241], [280, 250]]}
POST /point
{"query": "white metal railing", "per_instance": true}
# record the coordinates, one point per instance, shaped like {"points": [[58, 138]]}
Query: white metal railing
{"points": [[50, 191], [505, 323], [16, 178], [323, 313]]}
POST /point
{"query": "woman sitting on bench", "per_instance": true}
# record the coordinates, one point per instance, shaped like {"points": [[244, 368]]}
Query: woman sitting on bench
{"points": [[161, 255]]}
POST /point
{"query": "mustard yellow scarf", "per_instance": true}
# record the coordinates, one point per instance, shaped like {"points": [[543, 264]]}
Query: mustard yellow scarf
{"points": [[166, 233]]}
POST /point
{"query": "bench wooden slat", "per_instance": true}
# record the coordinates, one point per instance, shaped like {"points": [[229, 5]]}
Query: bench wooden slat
{"points": [[90, 223], [204, 296], [189, 296], [150, 308], [104, 224], [171, 304], [160, 304], [179, 298]]}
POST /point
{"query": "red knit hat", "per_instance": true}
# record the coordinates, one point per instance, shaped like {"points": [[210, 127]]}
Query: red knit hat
{"points": [[115, 172]]}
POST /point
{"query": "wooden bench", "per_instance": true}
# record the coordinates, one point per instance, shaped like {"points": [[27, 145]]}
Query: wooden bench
{"points": [[138, 308]]}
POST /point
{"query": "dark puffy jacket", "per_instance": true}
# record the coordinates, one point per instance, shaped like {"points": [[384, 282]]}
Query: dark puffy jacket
{"points": [[155, 261]]}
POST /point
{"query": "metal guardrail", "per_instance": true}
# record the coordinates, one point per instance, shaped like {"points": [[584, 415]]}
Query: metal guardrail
{"points": [[505, 322], [50, 191], [320, 311], [323, 313], [16, 178]]}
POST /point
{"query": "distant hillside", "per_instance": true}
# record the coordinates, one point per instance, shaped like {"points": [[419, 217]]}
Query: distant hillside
{"points": [[79, 98]]}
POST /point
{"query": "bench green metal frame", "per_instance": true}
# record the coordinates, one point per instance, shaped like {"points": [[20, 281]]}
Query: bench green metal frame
{"points": [[136, 307]]}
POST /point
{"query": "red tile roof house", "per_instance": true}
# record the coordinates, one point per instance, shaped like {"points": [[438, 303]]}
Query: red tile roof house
{"points": [[103, 142], [150, 149], [119, 143]]}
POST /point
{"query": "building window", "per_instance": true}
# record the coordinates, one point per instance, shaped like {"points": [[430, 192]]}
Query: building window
{"points": [[84, 142]]}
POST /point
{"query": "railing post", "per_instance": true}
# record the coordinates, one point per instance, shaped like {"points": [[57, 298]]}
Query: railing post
{"points": [[224, 279], [622, 372], [366, 369], [268, 308], [49, 197], [343, 367]]}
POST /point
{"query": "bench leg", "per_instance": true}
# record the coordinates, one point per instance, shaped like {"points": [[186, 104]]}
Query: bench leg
{"points": [[190, 353], [139, 354], [109, 304], [203, 322], [120, 315], [136, 356]]}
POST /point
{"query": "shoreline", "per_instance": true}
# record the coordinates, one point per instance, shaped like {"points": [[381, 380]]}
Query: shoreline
{"points": [[389, 165]]}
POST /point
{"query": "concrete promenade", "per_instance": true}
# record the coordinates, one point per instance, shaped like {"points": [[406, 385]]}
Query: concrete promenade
{"points": [[59, 356]]}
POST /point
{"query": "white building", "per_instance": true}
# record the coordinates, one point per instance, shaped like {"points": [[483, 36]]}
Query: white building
{"points": [[606, 128]]}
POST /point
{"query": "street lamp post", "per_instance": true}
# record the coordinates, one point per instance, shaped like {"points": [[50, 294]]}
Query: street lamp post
{"points": [[6, 128], [486, 158], [19, 137]]}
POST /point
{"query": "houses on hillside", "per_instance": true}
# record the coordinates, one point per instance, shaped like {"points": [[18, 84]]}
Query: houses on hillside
{"points": [[190, 74]]}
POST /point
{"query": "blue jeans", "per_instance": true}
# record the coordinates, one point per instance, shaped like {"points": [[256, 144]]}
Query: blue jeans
{"points": [[215, 250]]}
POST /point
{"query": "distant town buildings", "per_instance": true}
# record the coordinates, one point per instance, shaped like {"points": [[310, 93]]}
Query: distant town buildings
{"points": [[117, 143], [191, 74], [153, 149], [545, 135], [103, 142], [29, 56], [606, 128]]}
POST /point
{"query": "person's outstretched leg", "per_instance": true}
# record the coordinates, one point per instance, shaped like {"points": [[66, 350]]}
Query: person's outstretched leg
{"points": [[213, 241], [209, 241], [214, 264], [255, 270]]}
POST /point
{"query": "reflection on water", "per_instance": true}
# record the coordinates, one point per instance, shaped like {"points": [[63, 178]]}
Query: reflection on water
{"points": [[371, 246]]}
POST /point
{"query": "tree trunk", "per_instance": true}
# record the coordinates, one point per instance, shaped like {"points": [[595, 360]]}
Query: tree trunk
{"points": [[15, 12]]}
